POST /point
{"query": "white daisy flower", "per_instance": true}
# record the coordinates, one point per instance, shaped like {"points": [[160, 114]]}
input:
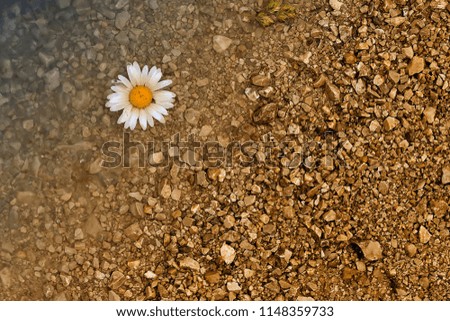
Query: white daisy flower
{"points": [[141, 97]]}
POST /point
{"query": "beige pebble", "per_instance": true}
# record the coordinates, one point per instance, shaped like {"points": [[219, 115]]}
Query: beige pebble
{"points": [[416, 65], [371, 250], [424, 235], [227, 253]]}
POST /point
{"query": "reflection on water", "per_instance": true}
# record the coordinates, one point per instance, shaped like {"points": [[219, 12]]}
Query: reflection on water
{"points": [[57, 60]]}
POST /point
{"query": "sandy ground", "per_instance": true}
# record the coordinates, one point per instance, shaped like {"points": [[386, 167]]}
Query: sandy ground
{"points": [[305, 159]]}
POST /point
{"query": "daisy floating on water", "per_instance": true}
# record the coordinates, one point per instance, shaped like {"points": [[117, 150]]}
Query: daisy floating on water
{"points": [[141, 97]]}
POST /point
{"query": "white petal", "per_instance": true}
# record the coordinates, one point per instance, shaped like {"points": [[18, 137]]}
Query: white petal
{"points": [[117, 107], [149, 117], [159, 109], [162, 84], [133, 118], [143, 119], [134, 73], [127, 124], [144, 75], [125, 116], [157, 115], [125, 81], [153, 79], [163, 95], [120, 89], [152, 72], [166, 105]]}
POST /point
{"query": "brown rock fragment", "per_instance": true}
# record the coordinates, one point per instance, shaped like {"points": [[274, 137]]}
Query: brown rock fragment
{"points": [[416, 65], [212, 277], [411, 249], [446, 175], [390, 123], [428, 114], [265, 114], [190, 263], [371, 250], [332, 92], [261, 80], [424, 235]]}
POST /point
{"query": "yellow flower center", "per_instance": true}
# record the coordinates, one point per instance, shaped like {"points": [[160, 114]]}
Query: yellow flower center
{"points": [[140, 96]]}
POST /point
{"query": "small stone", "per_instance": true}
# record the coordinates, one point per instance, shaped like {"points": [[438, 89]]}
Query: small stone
{"points": [[424, 235], [265, 114], [156, 158], [350, 58], [305, 57], [5, 277], [261, 80], [374, 126], [166, 190], [92, 226], [249, 200], [28, 124], [348, 273], [411, 249], [79, 235], [439, 208], [62, 4], [288, 212], [121, 19], [227, 253], [408, 52], [248, 273], [96, 166], [390, 123], [330, 216], [200, 178], [121, 3], [122, 38], [133, 231], [217, 174], [396, 21], [345, 32], [192, 116], [117, 279], [336, 5], [371, 250], [212, 277], [233, 287], [332, 92], [416, 65], [202, 82], [378, 80], [153, 4], [52, 80], [150, 275], [46, 59], [429, 114], [221, 43], [176, 194], [229, 221], [136, 195], [383, 188], [134, 264], [251, 94], [394, 76], [446, 174], [113, 296], [359, 86], [205, 131], [6, 70], [190, 263]]}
